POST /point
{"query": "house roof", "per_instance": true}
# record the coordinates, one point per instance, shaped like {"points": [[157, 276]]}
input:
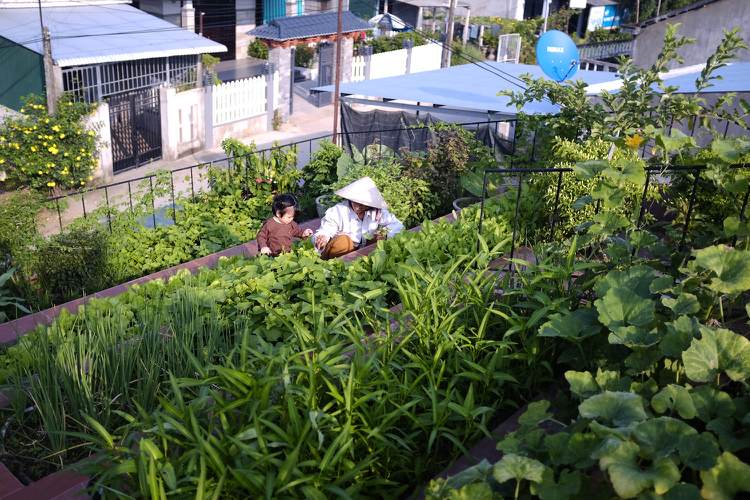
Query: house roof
{"points": [[297, 27], [94, 34], [433, 3], [734, 77], [468, 87]]}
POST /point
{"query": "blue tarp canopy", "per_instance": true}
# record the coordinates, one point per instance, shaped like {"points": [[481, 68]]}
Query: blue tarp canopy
{"points": [[468, 87]]}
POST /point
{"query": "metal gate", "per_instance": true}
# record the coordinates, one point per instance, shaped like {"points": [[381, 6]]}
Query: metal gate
{"points": [[326, 61], [135, 122]]}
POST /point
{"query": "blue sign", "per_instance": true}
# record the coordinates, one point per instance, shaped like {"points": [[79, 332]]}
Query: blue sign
{"points": [[611, 18], [557, 55]]}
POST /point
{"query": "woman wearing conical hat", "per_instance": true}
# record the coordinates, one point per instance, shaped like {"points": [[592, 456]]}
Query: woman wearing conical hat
{"points": [[363, 214]]}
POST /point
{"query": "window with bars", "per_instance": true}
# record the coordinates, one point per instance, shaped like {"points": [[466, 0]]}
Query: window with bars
{"points": [[96, 82]]}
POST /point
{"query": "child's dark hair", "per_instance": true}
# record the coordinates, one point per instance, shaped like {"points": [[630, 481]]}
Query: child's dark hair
{"points": [[283, 201]]}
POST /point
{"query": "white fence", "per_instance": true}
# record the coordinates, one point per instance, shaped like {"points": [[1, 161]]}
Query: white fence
{"points": [[426, 57], [241, 99], [394, 62]]}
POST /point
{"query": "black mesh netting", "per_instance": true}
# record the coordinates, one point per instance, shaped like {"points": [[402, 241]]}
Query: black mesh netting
{"points": [[398, 129]]}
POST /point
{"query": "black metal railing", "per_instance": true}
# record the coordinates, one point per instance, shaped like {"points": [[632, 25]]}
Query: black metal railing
{"points": [[308, 145], [651, 172]]}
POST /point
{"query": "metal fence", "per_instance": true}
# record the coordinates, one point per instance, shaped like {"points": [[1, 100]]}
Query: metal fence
{"points": [[187, 182], [663, 174]]}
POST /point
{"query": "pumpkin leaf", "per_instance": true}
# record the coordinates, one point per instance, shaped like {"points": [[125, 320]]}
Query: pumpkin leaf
{"points": [[680, 333], [731, 266], [715, 352], [658, 437], [520, 468], [567, 487], [674, 398], [574, 325], [699, 452], [685, 303], [726, 479], [618, 408]]}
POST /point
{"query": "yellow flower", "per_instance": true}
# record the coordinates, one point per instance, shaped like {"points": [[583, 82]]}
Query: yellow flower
{"points": [[39, 172], [634, 141], [82, 183], [46, 120], [33, 149], [91, 177], [2, 138], [53, 149], [51, 184], [2, 160], [91, 133], [56, 128], [62, 136]]}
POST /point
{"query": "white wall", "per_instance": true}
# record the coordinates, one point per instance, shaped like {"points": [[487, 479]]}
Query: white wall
{"points": [[182, 121], [394, 62]]}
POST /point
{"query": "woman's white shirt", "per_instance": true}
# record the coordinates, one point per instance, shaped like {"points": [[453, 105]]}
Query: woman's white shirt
{"points": [[341, 219]]}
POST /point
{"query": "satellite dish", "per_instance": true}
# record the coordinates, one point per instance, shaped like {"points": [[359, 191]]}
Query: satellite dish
{"points": [[557, 55]]}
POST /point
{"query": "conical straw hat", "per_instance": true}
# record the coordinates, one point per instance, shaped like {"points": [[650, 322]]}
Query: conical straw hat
{"points": [[363, 191]]}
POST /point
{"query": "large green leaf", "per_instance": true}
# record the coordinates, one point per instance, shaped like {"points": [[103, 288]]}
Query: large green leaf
{"points": [[620, 460], [685, 303], [729, 150], [680, 333], [731, 266], [715, 352], [519, 468], [589, 169], [535, 413], [575, 325], [574, 449], [567, 487], [632, 336], [658, 437], [674, 398], [638, 279], [582, 384], [675, 141], [622, 307], [699, 452], [618, 408], [710, 402], [607, 223], [726, 479]]}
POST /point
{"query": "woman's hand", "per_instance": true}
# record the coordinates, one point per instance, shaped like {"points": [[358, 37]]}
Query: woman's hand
{"points": [[265, 251], [321, 242], [307, 233]]}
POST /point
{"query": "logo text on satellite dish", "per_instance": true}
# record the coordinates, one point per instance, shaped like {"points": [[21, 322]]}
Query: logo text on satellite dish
{"points": [[556, 50]]}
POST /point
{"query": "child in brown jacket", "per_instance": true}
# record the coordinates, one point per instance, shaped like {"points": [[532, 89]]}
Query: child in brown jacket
{"points": [[277, 232]]}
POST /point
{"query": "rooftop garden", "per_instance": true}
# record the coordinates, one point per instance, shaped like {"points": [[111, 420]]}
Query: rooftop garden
{"points": [[620, 330]]}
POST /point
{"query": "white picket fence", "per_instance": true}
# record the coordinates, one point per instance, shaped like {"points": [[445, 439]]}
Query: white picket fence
{"points": [[359, 65], [394, 62], [242, 99]]}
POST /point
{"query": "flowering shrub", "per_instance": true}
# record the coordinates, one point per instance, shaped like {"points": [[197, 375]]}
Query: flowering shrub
{"points": [[44, 151]]}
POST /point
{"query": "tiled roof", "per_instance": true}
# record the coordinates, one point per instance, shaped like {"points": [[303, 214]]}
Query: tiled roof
{"points": [[291, 28]]}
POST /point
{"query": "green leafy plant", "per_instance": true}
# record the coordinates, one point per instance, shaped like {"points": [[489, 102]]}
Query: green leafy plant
{"points": [[258, 49], [304, 56], [44, 151]]}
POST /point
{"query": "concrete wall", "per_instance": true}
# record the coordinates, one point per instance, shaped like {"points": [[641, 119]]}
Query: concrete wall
{"points": [[99, 122], [706, 25], [182, 122], [242, 129], [281, 58], [169, 10], [245, 22], [510, 9]]}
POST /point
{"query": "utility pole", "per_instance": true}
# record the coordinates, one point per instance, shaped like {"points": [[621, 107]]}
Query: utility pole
{"points": [[658, 8], [545, 15], [337, 81], [49, 73], [445, 60], [637, 11]]}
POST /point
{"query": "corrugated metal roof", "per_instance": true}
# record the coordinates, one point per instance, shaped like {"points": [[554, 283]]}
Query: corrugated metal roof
{"points": [[735, 77], [465, 87], [291, 28], [94, 34]]}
